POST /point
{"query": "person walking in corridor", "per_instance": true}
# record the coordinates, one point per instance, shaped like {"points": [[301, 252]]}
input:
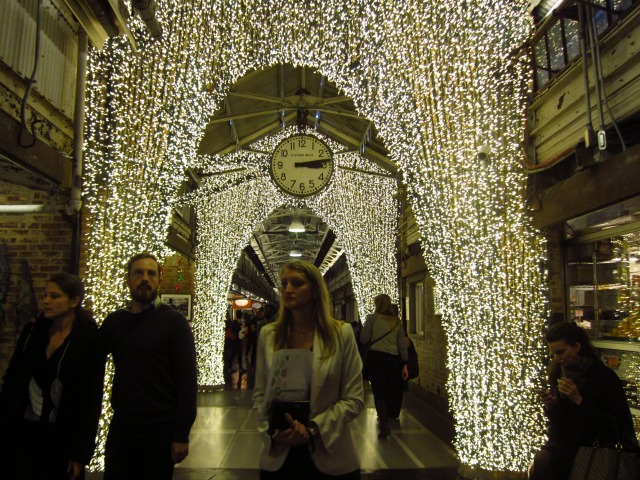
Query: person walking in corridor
{"points": [[386, 365], [238, 328], [306, 357], [155, 381]]}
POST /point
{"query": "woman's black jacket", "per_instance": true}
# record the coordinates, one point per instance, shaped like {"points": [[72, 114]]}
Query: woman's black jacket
{"points": [[81, 372]]}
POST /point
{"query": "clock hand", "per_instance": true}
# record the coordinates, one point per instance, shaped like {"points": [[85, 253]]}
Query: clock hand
{"points": [[311, 164]]}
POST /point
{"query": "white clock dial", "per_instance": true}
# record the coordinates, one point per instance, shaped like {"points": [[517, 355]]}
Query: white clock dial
{"points": [[301, 165]]}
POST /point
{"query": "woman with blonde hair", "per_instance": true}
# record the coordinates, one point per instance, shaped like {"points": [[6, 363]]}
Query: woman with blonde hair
{"points": [[308, 385], [386, 365]]}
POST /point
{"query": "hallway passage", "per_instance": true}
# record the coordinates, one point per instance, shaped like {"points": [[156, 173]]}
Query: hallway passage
{"points": [[224, 442]]}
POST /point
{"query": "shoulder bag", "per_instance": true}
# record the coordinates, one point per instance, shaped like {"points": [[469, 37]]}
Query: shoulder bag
{"points": [[364, 350], [606, 463]]}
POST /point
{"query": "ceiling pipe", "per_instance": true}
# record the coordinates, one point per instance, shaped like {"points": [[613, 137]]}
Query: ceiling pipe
{"points": [[147, 11]]}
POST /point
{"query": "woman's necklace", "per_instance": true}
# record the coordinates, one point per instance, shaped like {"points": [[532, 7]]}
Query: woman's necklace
{"points": [[302, 334]]}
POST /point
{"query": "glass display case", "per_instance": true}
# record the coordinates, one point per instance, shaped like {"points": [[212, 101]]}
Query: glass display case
{"points": [[602, 274], [603, 280]]}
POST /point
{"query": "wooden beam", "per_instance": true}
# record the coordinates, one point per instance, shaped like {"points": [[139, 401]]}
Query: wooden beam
{"points": [[603, 184], [238, 116]]}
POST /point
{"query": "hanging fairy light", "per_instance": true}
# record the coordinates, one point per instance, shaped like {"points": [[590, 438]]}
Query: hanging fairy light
{"points": [[437, 82]]}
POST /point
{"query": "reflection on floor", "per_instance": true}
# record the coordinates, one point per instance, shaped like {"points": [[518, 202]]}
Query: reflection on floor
{"points": [[224, 442]]}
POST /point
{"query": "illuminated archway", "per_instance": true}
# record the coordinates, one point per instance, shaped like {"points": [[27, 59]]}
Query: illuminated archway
{"points": [[359, 208], [439, 84]]}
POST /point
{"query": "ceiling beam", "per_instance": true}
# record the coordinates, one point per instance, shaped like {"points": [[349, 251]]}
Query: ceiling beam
{"points": [[206, 146], [238, 116], [293, 100], [255, 96], [324, 249], [380, 160]]}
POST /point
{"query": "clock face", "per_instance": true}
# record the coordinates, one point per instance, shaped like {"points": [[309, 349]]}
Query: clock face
{"points": [[301, 165]]}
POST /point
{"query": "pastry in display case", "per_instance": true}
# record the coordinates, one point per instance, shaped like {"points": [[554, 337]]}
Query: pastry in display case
{"points": [[603, 280]]}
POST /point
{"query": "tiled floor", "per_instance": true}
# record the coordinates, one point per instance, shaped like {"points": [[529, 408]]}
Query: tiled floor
{"points": [[224, 443]]}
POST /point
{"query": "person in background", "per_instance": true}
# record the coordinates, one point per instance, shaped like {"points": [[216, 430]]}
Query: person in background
{"points": [[252, 335], [387, 359], [585, 402], [356, 326], [394, 401], [155, 381], [229, 348], [323, 366], [51, 396], [270, 311], [238, 329]]}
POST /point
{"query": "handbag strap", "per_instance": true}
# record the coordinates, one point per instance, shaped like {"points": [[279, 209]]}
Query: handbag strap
{"points": [[380, 338]]}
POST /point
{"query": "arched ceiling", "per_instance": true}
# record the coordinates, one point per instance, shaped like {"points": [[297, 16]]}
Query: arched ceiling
{"points": [[262, 103]]}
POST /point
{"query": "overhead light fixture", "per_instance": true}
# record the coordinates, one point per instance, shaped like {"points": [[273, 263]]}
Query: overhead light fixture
{"points": [[295, 253], [242, 302], [296, 226]]}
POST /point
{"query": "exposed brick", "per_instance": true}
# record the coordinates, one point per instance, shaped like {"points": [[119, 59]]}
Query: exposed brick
{"points": [[52, 269], [43, 240]]}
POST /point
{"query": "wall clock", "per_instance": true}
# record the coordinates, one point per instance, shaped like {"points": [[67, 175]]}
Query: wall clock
{"points": [[301, 165]]}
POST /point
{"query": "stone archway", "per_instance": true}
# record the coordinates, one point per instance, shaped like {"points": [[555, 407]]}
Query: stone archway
{"points": [[439, 84]]}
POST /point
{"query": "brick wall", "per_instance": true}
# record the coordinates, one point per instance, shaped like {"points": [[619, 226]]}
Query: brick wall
{"points": [[43, 241], [432, 355], [431, 345]]}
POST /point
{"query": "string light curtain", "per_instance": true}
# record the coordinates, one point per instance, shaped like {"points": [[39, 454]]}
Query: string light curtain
{"points": [[144, 111], [438, 83]]}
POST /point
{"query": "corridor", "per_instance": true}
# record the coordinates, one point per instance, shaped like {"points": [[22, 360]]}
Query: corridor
{"points": [[225, 442]]}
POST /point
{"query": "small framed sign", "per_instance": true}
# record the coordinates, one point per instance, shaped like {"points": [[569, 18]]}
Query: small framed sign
{"points": [[180, 302]]}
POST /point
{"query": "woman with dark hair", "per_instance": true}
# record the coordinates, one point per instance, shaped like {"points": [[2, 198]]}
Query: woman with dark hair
{"points": [[51, 396], [307, 356], [585, 402], [387, 359]]}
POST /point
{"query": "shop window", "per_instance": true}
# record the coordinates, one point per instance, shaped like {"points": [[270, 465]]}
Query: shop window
{"points": [[603, 288], [418, 307], [559, 45], [572, 39], [603, 272], [186, 211]]}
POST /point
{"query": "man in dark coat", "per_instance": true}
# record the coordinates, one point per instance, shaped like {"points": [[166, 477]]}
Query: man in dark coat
{"points": [[155, 382]]}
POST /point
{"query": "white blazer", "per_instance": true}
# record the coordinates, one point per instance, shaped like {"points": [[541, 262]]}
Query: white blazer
{"points": [[337, 397]]}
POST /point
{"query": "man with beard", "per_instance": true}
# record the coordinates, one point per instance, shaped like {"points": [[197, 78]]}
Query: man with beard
{"points": [[154, 385]]}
